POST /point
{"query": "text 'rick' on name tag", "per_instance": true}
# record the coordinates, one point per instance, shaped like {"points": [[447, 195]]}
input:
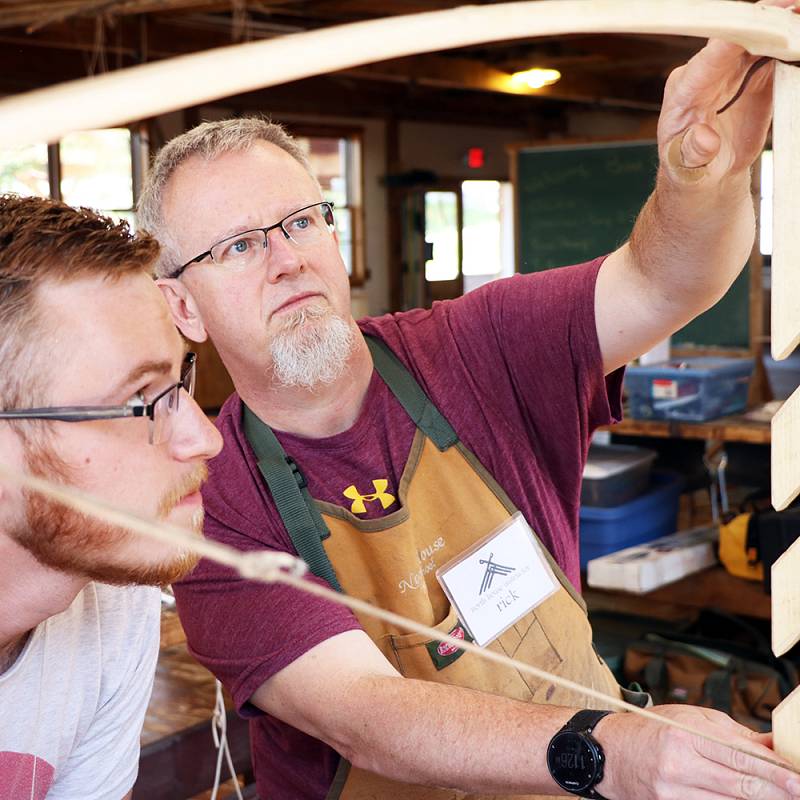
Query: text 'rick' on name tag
{"points": [[498, 580]]}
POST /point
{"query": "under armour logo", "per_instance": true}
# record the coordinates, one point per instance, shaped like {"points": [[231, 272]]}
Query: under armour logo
{"points": [[360, 500], [492, 569]]}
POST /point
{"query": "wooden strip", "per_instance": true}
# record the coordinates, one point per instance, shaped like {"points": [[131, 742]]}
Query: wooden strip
{"points": [[786, 601], [786, 728], [786, 201], [786, 453], [151, 89]]}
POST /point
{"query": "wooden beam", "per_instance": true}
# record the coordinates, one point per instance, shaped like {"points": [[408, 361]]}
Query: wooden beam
{"points": [[785, 728], [152, 89], [786, 601], [786, 202], [785, 455]]}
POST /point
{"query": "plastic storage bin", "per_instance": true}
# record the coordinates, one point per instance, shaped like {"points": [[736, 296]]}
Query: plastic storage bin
{"points": [[784, 376], [653, 514], [615, 474], [692, 390]]}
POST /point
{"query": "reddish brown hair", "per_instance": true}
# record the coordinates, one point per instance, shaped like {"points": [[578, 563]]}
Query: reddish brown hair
{"points": [[44, 241]]}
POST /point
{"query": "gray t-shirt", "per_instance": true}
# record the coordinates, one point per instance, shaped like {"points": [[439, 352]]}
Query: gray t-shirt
{"points": [[73, 704]]}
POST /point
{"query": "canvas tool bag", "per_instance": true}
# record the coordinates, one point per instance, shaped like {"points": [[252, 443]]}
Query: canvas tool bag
{"points": [[744, 680]]}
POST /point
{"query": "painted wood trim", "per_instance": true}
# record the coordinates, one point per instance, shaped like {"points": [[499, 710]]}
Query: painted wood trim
{"points": [[786, 196], [786, 453], [785, 727], [786, 601]]}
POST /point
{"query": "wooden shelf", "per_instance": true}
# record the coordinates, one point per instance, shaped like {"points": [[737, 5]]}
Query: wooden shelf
{"points": [[712, 587], [726, 429]]}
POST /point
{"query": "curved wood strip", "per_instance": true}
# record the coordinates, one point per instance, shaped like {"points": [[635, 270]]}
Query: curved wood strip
{"points": [[145, 91]]}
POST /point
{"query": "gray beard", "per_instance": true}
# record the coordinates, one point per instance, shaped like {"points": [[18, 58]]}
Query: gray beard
{"points": [[312, 348]]}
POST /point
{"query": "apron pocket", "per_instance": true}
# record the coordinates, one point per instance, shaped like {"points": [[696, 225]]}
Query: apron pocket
{"points": [[416, 656], [527, 641]]}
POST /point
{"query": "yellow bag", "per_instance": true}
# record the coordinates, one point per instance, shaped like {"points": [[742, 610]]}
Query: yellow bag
{"points": [[739, 559]]}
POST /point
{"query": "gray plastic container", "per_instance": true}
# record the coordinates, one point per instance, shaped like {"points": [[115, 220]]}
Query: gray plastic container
{"points": [[615, 474]]}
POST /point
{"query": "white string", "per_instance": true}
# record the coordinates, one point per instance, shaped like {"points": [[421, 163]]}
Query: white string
{"points": [[271, 567], [219, 731]]}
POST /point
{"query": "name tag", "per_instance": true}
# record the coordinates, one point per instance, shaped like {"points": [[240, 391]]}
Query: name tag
{"points": [[498, 580]]}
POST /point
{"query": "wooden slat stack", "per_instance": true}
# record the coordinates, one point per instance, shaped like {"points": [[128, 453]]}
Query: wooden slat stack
{"points": [[786, 424]]}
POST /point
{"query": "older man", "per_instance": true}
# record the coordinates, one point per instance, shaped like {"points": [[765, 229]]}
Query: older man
{"points": [[95, 395], [384, 450]]}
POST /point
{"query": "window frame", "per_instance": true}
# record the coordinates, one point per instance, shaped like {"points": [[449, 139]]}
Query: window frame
{"points": [[355, 205], [139, 150]]}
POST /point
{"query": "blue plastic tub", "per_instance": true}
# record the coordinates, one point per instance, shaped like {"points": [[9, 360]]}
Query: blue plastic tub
{"points": [[653, 514], [691, 390]]}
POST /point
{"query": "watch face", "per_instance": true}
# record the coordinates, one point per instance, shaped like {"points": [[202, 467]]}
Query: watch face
{"points": [[574, 760]]}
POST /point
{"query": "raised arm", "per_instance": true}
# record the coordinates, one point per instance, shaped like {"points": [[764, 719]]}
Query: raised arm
{"points": [[696, 231]]}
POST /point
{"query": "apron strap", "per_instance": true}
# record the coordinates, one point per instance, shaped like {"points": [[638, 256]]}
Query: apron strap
{"points": [[298, 511], [405, 388]]}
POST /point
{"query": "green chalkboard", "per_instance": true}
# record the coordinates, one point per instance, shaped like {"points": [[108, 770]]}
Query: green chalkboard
{"points": [[577, 202]]}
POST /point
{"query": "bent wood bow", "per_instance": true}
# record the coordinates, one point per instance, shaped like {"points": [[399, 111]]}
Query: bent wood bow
{"points": [[151, 89]]}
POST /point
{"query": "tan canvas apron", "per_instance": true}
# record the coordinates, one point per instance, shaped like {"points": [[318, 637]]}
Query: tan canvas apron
{"points": [[447, 501]]}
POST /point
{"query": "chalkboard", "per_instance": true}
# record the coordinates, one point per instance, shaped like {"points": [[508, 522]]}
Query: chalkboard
{"points": [[577, 202]]}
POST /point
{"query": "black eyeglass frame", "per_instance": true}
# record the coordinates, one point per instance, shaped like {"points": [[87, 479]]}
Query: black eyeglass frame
{"points": [[265, 231], [89, 413]]}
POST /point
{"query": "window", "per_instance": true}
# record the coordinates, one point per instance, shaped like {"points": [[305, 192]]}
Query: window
{"points": [[89, 168], [487, 232], [24, 170], [97, 171], [336, 160], [441, 236]]}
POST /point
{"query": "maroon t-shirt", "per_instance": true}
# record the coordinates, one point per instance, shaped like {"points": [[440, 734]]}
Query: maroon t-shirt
{"points": [[515, 367]]}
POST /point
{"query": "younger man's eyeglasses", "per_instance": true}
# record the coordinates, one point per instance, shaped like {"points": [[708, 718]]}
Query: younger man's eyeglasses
{"points": [[160, 411]]}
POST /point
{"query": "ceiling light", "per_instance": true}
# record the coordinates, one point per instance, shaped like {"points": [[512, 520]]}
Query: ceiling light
{"points": [[535, 78]]}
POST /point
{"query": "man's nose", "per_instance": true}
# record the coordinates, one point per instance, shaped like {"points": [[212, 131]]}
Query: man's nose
{"points": [[193, 436], [284, 257]]}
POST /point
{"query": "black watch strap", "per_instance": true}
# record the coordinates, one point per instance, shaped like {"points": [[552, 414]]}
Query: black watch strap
{"points": [[585, 721]]}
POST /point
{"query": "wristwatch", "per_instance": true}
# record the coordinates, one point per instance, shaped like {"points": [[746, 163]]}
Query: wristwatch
{"points": [[575, 758]]}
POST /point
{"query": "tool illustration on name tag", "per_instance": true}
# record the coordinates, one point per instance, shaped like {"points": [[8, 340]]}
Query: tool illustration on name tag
{"points": [[493, 569]]}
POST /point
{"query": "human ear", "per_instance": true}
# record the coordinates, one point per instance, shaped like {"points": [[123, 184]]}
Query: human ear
{"points": [[183, 308]]}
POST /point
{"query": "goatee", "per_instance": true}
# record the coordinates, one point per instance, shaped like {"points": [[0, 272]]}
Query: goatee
{"points": [[311, 348]]}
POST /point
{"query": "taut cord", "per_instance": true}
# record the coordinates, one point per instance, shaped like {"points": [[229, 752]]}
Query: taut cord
{"points": [[271, 567]]}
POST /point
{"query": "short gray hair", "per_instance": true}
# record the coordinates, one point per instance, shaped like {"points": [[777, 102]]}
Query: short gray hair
{"points": [[208, 140]]}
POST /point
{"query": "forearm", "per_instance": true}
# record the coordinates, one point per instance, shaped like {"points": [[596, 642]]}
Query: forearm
{"points": [[447, 736], [687, 247], [691, 241]]}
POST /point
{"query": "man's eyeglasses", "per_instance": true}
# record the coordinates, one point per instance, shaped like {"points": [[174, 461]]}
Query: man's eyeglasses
{"points": [[160, 411], [304, 227]]}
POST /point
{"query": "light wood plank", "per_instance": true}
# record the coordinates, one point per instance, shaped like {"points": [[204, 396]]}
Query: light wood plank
{"points": [[786, 201], [786, 728], [152, 89], [786, 601], [786, 453]]}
